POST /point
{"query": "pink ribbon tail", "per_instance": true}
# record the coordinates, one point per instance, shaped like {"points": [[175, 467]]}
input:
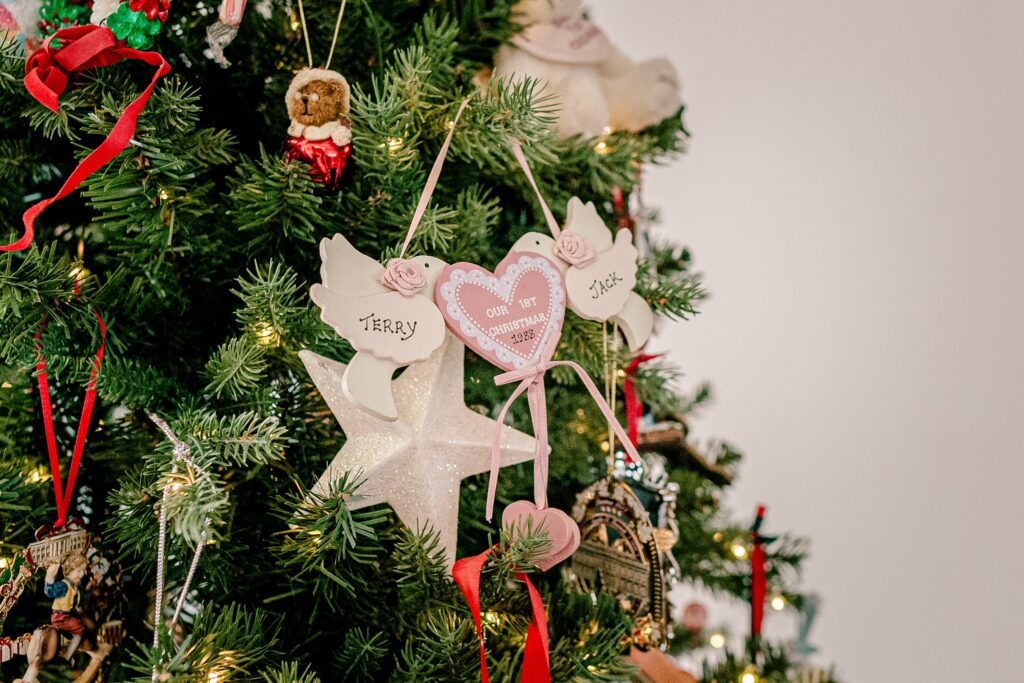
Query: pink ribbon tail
{"points": [[532, 380]]}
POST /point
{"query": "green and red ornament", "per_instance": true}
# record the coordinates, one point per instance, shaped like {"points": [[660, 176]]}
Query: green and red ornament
{"points": [[55, 15]]}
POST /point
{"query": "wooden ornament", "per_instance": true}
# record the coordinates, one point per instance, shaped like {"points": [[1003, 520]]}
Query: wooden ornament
{"points": [[600, 273], [657, 667], [512, 317], [561, 529], [389, 325]]}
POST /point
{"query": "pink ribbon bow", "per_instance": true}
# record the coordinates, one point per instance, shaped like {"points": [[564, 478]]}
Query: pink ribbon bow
{"points": [[531, 381]]}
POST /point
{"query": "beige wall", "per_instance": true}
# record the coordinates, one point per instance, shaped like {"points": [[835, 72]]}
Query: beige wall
{"points": [[855, 195]]}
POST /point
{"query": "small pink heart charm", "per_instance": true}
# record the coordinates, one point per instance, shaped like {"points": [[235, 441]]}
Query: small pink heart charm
{"points": [[511, 317], [562, 530]]}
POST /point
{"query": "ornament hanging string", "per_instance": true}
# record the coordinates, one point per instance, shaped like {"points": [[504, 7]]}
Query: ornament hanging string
{"points": [[432, 178], [334, 39], [181, 451], [63, 491], [536, 664], [517, 152], [47, 73]]}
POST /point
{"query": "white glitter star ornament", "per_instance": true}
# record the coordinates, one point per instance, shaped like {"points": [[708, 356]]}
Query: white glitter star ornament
{"points": [[417, 462]]}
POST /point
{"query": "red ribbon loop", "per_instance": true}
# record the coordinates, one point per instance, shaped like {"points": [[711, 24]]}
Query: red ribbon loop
{"points": [[536, 663], [63, 491], [634, 408], [758, 576], [47, 73]]}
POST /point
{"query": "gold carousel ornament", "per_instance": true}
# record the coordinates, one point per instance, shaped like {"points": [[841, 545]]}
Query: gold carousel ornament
{"points": [[623, 553]]}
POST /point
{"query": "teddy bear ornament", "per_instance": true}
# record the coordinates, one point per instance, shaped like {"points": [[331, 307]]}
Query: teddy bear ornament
{"points": [[596, 86], [320, 133]]}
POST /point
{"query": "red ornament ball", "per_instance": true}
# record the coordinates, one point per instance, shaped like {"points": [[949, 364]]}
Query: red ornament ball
{"points": [[326, 159]]}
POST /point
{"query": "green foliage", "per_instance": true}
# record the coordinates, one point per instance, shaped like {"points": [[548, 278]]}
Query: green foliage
{"points": [[198, 244], [775, 666], [289, 673]]}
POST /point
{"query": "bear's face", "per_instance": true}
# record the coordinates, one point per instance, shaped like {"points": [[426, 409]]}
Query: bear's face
{"points": [[317, 101]]}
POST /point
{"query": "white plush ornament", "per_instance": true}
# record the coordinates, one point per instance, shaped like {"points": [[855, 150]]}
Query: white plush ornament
{"points": [[19, 18], [595, 85], [600, 273], [387, 314], [415, 463], [101, 9]]}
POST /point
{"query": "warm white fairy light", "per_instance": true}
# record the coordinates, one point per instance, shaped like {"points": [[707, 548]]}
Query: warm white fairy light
{"points": [[395, 144], [267, 335], [717, 640], [3, 563], [739, 551], [748, 678], [778, 603]]}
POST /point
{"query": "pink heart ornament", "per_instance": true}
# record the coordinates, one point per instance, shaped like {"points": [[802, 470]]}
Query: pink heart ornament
{"points": [[511, 317], [561, 528]]}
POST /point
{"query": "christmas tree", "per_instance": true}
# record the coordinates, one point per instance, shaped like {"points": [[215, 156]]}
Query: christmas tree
{"points": [[205, 481]]}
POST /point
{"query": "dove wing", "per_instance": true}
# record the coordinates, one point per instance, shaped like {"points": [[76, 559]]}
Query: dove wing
{"points": [[346, 271], [584, 220]]}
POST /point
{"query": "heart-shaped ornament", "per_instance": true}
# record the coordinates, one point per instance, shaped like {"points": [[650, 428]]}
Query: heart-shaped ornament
{"points": [[561, 528], [511, 317]]}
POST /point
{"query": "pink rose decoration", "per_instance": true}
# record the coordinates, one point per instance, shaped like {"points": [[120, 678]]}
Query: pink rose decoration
{"points": [[404, 276], [573, 248]]}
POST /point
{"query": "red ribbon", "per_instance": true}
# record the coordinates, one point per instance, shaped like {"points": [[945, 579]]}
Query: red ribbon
{"points": [[758, 576], [47, 73], [634, 408], [536, 665], [63, 492]]}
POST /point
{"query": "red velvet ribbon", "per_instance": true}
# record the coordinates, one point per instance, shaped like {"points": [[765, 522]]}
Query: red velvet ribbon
{"points": [[47, 73], [634, 408], [63, 491], [536, 665], [758, 577], [622, 217]]}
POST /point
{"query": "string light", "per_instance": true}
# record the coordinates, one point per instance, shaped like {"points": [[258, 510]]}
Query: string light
{"points": [[492, 618], [602, 147], [778, 603], [37, 475], [749, 675], [267, 335], [3, 563], [739, 551], [394, 144], [717, 640], [164, 195]]}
